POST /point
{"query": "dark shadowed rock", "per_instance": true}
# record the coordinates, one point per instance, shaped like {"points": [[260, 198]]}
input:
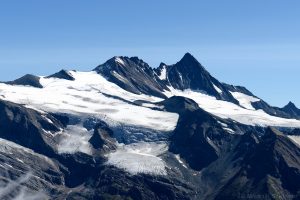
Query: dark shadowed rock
{"points": [[179, 104], [62, 74], [103, 137], [271, 169], [270, 109], [198, 137], [188, 73], [133, 75], [292, 110], [28, 127], [28, 79]]}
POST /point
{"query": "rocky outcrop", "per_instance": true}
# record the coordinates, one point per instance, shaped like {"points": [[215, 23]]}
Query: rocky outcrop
{"points": [[102, 138], [28, 79]]}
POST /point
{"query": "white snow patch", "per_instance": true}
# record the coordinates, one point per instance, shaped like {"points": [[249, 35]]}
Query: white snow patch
{"points": [[163, 73], [119, 60], [245, 100], [229, 130], [19, 160], [295, 138], [139, 158], [223, 124], [121, 78], [180, 76], [73, 139], [218, 89], [180, 161], [150, 105]]}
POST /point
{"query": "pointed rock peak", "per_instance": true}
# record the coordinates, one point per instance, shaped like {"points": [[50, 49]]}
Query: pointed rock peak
{"points": [[161, 65], [27, 80], [188, 58], [290, 105], [62, 74]]}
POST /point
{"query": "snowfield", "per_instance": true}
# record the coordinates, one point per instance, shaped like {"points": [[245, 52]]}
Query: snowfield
{"points": [[73, 139], [225, 109], [140, 158], [90, 94], [245, 100]]}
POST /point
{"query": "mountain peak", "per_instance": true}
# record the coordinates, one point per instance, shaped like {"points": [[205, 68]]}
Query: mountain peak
{"points": [[291, 109], [132, 74], [291, 105], [189, 59]]}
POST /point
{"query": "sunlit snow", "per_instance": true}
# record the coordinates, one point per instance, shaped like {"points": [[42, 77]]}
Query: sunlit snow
{"points": [[225, 109], [163, 73], [73, 139], [218, 89], [295, 138], [245, 100], [140, 158], [88, 94]]}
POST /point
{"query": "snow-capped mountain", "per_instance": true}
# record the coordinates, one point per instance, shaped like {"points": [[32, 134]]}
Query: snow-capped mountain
{"points": [[126, 130]]}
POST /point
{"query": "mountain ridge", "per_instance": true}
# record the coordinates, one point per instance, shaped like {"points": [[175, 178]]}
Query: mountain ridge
{"points": [[126, 130]]}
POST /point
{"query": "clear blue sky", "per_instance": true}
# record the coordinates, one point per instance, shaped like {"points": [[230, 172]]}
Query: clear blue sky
{"points": [[251, 43]]}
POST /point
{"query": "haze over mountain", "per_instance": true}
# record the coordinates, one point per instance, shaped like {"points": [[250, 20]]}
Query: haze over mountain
{"points": [[126, 130]]}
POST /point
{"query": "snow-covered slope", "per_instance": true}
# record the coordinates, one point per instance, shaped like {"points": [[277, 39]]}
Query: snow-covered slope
{"points": [[90, 94], [245, 100], [140, 158], [225, 109]]}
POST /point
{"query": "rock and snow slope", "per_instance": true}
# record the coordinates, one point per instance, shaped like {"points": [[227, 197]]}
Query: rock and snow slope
{"points": [[146, 131], [91, 94]]}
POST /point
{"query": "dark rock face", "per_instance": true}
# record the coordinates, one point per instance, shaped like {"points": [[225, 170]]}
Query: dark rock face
{"points": [[62, 74], [27, 127], [28, 79], [179, 104], [188, 73], [270, 168], [295, 131], [113, 183], [25, 174], [133, 75], [292, 110], [103, 138], [198, 137], [270, 109]]}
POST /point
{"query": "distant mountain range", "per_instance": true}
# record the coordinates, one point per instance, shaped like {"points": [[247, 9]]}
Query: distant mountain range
{"points": [[125, 130]]}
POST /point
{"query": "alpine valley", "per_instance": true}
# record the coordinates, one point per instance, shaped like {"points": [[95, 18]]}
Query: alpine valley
{"points": [[125, 130]]}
